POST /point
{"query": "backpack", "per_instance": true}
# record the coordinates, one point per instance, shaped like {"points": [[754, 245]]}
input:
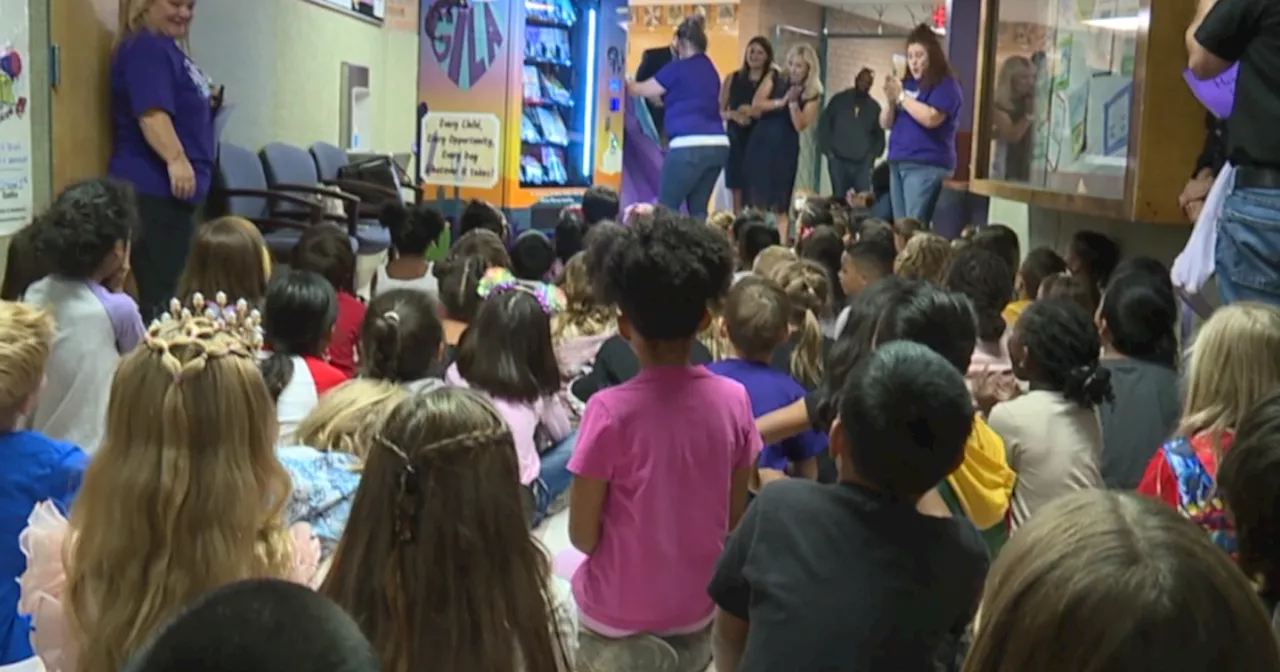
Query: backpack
{"points": [[1198, 497]]}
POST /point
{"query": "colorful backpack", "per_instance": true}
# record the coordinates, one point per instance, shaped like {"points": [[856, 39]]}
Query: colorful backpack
{"points": [[1198, 497]]}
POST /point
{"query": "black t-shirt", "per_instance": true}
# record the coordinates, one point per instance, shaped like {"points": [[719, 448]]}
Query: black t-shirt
{"points": [[617, 363], [864, 584], [1248, 31]]}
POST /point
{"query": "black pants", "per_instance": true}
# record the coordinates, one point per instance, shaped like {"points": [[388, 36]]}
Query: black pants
{"points": [[846, 175], [160, 250]]}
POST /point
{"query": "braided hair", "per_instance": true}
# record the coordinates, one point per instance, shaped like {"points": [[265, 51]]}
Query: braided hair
{"points": [[1062, 348]]}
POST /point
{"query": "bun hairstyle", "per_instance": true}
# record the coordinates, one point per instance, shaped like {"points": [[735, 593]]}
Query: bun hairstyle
{"points": [[401, 336], [693, 32], [988, 282], [1062, 346], [413, 230], [808, 290]]}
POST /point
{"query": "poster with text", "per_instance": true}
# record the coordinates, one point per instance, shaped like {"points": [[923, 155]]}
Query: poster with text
{"points": [[16, 200]]}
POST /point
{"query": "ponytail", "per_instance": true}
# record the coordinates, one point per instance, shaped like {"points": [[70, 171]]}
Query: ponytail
{"points": [[381, 347], [277, 371], [1088, 385], [806, 358]]}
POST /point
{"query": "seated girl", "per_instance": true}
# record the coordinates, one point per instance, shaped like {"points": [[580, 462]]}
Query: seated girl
{"points": [[986, 280], [583, 326], [185, 495], [507, 354], [227, 255], [402, 340], [413, 231], [301, 308], [325, 249], [437, 565]]}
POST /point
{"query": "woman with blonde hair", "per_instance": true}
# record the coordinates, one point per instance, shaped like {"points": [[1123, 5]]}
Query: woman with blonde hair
{"points": [[781, 153], [227, 254], [334, 441], [1013, 116], [185, 495], [1234, 363], [925, 257], [162, 107], [1112, 582], [437, 565]]}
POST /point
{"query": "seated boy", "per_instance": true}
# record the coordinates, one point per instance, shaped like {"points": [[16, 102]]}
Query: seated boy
{"points": [[34, 468], [755, 322], [867, 582], [862, 263]]}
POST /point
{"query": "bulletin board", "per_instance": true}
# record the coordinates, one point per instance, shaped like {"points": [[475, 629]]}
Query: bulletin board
{"points": [[374, 11]]}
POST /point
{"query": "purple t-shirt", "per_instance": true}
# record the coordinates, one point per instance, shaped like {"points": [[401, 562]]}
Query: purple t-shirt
{"points": [[769, 390], [150, 72], [909, 141], [692, 101]]}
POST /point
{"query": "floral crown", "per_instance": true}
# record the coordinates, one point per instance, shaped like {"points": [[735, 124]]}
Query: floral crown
{"points": [[497, 280], [237, 319]]}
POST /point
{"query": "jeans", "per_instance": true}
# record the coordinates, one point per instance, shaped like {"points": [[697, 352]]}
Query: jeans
{"points": [[689, 176], [1247, 254], [554, 478], [846, 175], [914, 188]]}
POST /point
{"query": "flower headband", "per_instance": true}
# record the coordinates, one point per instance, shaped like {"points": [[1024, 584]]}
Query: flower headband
{"points": [[498, 279]]}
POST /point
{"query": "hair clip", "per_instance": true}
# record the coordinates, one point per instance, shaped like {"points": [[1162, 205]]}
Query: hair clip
{"points": [[391, 316], [406, 494], [497, 280], [237, 319]]}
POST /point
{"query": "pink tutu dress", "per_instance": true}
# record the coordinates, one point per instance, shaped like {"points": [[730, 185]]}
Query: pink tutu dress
{"points": [[43, 584]]}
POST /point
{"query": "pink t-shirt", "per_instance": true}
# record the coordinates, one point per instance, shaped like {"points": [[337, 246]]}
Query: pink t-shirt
{"points": [[667, 441]]}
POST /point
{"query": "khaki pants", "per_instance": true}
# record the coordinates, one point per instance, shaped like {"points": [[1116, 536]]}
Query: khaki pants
{"points": [[644, 653]]}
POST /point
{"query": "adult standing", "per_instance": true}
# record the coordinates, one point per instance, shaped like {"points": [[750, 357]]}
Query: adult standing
{"points": [[850, 136], [1012, 115], [922, 118], [697, 146], [787, 106], [162, 109], [736, 93], [652, 61], [1247, 256]]}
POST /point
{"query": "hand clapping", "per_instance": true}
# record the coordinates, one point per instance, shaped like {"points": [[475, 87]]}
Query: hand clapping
{"points": [[892, 88]]}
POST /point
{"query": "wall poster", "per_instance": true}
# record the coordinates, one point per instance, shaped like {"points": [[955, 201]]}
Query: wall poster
{"points": [[16, 196]]}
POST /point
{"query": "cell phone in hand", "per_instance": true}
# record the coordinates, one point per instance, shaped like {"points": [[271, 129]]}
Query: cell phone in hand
{"points": [[899, 66]]}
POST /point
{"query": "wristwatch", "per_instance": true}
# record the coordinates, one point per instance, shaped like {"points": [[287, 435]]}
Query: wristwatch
{"points": [[902, 97]]}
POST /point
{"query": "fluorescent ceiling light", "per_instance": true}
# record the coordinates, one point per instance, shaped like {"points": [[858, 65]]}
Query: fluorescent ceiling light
{"points": [[1125, 24]]}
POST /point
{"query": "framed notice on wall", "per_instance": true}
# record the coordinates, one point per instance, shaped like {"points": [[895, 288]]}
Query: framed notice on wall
{"points": [[370, 10], [16, 195]]}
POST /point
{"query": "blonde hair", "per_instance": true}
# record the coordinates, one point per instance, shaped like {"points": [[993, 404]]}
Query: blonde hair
{"points": [[771, 258], [184, 495], [808, 288], [349, 416], [227, 255], [583, 314], [1112, 582], [1234, 362], [813, 83], [722, 220], [25, 337], [133, 17], [715, 338], [924, 257]]}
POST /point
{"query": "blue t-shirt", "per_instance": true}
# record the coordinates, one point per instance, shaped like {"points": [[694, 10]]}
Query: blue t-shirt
{"points": [[151, 72], [909, 141], [770, 390], [692, 101], [33, 468]]}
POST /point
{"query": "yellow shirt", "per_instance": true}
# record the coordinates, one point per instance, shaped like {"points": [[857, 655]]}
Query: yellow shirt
{"points": [[1013, 310], [984, 481]]}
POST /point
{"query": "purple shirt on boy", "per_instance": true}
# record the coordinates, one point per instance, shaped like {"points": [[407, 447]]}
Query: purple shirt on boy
{"points": [[769, 390], [910, 141], [151, 72], [692, 100]]}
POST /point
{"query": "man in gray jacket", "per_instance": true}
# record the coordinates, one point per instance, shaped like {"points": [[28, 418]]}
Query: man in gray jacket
{"points": [[850, 136]]}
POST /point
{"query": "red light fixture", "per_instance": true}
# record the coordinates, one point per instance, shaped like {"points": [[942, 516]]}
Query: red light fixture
{"points": [[940, 16]]}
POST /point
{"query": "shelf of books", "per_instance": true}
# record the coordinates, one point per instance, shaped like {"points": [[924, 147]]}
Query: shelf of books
{"points": [[552, 96]]}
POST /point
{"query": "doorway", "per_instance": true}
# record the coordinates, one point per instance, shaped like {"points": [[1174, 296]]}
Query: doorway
{"points": [[81, 34]]}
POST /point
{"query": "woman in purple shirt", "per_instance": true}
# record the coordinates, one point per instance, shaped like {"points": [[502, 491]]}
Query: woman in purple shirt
{"points": [[698, 146], [921, 116], [162, 110]]}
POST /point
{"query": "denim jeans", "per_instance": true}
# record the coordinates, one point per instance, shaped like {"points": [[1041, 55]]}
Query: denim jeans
{"points": [[1247, 254], [914, 188], [846, 175], [689, 176], [554, 478]]}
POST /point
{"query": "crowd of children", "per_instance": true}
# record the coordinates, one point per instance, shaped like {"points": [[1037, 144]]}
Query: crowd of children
{"points": [[875, 450]]}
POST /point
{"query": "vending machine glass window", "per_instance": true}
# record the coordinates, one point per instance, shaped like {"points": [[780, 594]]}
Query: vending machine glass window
{"points": [[559, 82]]}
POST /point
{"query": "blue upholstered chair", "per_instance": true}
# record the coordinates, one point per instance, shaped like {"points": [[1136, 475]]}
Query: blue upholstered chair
{"points": [[292, 169], [242, 182]]}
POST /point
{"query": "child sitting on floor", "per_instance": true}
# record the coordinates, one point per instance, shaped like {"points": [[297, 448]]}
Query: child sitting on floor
{"points": [[402, 340], [1041, 263], [301, 308], [325, 249], [413, 232], [227, 255], [755, 322]]}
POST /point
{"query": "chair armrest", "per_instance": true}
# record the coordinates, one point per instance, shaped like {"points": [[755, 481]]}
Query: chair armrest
{"points": [[275, 222], [314, 211], [318, 191]]}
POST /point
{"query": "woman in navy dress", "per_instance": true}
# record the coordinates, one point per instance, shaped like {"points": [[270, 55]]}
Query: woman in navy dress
{"points": [[786, 105], [736, 94]]}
